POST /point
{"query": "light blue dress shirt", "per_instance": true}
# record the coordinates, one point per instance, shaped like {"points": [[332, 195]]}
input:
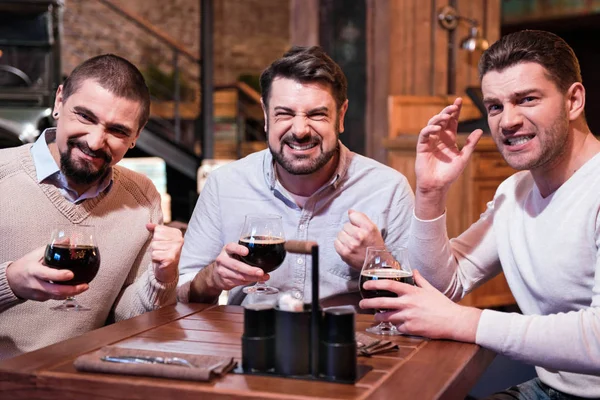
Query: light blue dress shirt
{"points": [[250, 186]]}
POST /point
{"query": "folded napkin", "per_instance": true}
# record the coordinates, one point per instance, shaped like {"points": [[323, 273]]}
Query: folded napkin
{"points": [[193, 367], [368, 346]]}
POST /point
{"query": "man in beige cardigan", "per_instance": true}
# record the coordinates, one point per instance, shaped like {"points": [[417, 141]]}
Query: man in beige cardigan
{"points": [[69, 177]]}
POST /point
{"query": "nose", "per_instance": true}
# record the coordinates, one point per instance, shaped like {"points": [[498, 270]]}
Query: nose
{"points": [[511, 118], [300, 126], [96, 138]]}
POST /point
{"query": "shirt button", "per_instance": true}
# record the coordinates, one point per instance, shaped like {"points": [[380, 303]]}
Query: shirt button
{"points": [[300, 261], [301, 227]]}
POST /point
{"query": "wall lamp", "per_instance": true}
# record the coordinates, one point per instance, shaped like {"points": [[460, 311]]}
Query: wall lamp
{"points": [[449, 18]]}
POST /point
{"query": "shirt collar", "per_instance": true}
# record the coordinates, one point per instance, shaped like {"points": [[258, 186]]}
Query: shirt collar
{"points": [[340, 172], [48, 171]]}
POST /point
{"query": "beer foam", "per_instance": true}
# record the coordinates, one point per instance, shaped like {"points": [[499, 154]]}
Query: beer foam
{"points": [[387, 273], [254, 240]]}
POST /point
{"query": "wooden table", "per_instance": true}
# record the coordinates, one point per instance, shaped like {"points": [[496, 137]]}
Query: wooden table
{"points": [[421, 369]]}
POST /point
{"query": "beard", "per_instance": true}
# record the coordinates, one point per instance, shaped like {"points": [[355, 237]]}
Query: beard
{"points": [[303, 165], [82, 172]]}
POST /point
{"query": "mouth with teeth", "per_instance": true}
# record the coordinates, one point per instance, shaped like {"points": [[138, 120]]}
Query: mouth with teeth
{"points": [[518, 140], [302, 147]]}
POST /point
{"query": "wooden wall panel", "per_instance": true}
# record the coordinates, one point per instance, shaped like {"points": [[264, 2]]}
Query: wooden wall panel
{"points": [[419, 45], [304, 22]]}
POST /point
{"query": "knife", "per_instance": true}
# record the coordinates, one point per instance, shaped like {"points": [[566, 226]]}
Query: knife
{"points": [[182, 362]]}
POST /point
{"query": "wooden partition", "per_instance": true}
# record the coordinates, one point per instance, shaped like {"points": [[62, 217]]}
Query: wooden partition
{"points": [[469, 195]]}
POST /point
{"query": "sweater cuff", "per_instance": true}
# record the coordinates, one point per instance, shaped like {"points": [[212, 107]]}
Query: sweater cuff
{"points": [[428, 229], [158, 293], [493, 329], [183, 292], [7, 296]]}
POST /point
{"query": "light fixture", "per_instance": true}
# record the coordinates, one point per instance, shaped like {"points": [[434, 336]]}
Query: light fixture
{"points": [[449, 19]]}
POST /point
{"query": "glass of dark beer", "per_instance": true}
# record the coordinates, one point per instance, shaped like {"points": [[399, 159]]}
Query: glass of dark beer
{"points": [[73, 247], [381, 263], [263, 235]]}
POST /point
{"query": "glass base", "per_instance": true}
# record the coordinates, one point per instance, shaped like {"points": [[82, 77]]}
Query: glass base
{"points": [[260, 288], [385, 328], [70, 304]]}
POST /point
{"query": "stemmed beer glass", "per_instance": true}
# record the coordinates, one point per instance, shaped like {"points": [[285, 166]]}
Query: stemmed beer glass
{"points": [[383, 264], [263, 235], [73, 247]]}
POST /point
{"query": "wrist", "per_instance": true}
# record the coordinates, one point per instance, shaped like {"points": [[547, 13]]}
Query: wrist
{"points": [[203, 288], [464, 324], [430, 203]]}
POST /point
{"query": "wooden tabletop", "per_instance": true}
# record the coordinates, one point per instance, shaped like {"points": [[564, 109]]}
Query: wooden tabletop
{"points": [[421, 369]]}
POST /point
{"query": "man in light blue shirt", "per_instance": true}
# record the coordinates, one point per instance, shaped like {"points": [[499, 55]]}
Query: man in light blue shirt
{"points": [[324, 193]]}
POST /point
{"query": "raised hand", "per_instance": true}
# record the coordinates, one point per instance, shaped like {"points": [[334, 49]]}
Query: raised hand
{"points": [[354, 238], [439, 161], [423, 310], [29, 279], [165, 250]]}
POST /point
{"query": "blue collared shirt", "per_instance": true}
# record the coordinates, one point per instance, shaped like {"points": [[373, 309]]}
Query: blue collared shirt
{"points": [[48, 172]]}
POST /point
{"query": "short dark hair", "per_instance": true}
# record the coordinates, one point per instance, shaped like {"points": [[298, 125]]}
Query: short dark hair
{"points": [[306, 64], [115, 74], [544, 48]]}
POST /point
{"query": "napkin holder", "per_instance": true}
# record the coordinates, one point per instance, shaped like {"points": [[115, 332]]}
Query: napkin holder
{"points": [[308, 345]]}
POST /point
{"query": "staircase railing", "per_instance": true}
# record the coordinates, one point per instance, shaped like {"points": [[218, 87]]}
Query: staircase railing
{"points": [[172, 72], [175, 94]]}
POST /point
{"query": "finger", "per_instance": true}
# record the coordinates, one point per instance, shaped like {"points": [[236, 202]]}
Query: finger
{"points": [[166, 233], [458, 102], [45, 273], [422, 282], [440, 119], [347, 240], [379, 303], [429, 133], [60, 292], [471, 142], [150, 226], [360, 220], [234, 249], [230, 275], [386, 284], [240, 266]]}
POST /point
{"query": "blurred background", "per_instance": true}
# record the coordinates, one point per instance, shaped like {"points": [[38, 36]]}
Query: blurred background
{"points": [[404, 59]]}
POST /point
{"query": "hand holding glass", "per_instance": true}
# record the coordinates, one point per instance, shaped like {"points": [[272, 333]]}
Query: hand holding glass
{"points": [[263, 235], [73, 247], [383, 264]]}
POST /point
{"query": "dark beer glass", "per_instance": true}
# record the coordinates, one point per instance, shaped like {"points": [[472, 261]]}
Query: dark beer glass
{"points": [[263, 235], [73, 247], [383, 264]]}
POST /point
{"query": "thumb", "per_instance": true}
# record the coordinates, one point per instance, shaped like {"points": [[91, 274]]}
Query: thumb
{"points": [[420, 281], [359, 219], [150, 226]]}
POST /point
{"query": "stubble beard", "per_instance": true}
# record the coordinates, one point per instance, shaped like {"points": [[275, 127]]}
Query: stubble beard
{"points": [[555, 146]]}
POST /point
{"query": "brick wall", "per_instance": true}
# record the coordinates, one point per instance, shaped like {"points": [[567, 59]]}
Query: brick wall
{"points": [[248, 34]]}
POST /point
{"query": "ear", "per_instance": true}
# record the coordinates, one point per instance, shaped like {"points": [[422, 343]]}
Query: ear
{"points": [[575, 101], [342, 114], [58, 101], [265, 113]]}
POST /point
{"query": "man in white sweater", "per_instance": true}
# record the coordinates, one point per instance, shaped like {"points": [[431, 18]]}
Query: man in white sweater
{"points": [[542, 229]]}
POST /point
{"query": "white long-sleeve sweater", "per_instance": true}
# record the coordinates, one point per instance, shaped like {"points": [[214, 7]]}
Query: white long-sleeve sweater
{"points": [[548, 249]]}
